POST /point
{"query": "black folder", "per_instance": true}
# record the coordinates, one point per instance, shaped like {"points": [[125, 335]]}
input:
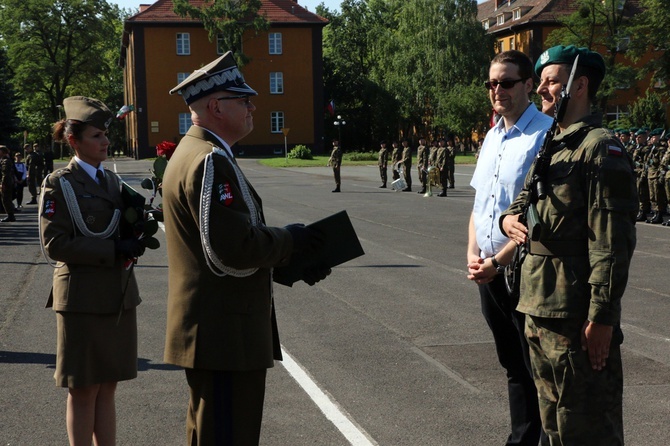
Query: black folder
{"points": [[341, 245]]}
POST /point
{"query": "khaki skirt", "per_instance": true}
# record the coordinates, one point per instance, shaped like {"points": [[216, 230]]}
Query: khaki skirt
{"points": [[93, 349]]}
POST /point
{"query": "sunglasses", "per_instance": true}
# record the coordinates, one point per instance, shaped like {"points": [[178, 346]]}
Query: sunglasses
{"points": [[491, 85], [247, 99]]}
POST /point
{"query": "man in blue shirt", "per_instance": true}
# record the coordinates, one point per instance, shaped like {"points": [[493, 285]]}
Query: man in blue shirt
{"points": [[506, 155]]}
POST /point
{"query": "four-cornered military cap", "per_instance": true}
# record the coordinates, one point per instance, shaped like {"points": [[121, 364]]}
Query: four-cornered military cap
{"points": [[219, 75], [566, 55], [88, 110]]}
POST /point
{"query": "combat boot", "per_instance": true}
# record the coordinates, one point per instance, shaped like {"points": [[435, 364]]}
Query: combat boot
{"points": [[656, 219], [422, 191], [337, 189], [641, 216], [443, 193]]}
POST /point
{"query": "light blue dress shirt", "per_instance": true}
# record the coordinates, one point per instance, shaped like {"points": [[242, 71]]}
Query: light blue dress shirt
{"points": [[501, 169]]}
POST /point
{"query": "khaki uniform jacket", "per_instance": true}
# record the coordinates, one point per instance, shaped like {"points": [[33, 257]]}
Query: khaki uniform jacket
{"points": [[406, 158], [590, 210], [383, 158], [218, 323], [89, 278], [335, 160], [441, 158], [422, 154]]}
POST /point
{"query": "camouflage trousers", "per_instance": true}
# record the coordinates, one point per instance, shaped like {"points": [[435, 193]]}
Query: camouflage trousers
{"points": [[579, 406]]}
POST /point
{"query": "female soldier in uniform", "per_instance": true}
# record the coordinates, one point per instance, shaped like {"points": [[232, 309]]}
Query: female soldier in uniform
{"points": [[94, 294]]}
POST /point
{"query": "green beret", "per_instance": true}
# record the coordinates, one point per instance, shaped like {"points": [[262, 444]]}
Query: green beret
{"points": [[642, 131], [633, 130], [566, 55], [88, 110], [656, 132]]}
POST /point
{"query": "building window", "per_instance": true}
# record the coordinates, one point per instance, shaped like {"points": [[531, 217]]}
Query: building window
{"points": [[275, 43], [184, 123], [181, 77], [277, 83], [486, 24], [219, 44], [516, 14], [277, 121], [511, 43], [183, 44], [500, 19]]}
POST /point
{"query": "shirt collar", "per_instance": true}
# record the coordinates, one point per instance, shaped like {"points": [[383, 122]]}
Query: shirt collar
{"points": [[90, 170]]}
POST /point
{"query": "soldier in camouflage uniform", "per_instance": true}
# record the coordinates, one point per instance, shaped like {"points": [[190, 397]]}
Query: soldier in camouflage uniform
{"points": [[383, 162], [450, 153], [396, 155], [406, 160], [422, 154], [665, 169], [642, 185], [432, 157], [659, 201], [574, 276], [441, 163]]}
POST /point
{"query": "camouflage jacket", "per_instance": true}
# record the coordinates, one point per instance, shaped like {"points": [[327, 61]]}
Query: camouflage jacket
{"points": [[422, 155], [383, 159], [653, 160], [588, 228]]}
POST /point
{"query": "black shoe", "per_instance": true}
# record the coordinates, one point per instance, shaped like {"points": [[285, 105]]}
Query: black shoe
{"points": [[337, 189], [33, 201], [422, 191], [443, 193], [17, 210], [8, 219], [451, 187], [667, 223], [383, 186], [641, 216], [407, 189], [656, 219]]}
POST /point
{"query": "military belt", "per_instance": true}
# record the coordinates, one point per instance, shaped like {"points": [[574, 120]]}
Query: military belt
{"points": [[559, 248]]}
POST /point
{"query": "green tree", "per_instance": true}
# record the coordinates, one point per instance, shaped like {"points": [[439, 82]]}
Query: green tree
{"points": [[226, 21], [652, 24], [8, 116], [648, 111], [58, 49], [603, 26], [464, 109]]}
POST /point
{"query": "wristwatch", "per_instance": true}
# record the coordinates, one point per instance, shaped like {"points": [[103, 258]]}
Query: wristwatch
{"points": [[499, 268]]}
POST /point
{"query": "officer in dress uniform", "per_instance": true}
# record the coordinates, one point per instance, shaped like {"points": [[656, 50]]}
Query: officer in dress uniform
{"points": [[576, 270], [221, 323], [94, 291]]}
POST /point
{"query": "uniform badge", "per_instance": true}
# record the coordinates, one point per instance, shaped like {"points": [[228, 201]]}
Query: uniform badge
{"points": [[225, 194], [615, 150], [49, 208], [544, 58], [90, 220]]}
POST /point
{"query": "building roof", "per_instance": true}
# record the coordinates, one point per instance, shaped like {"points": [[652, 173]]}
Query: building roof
{"points": [[276, 12], [533, 11]]}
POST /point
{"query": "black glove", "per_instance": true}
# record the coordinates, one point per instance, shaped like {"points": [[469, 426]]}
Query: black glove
{"points": [[305, 239], [129, 248], [315, 274]]}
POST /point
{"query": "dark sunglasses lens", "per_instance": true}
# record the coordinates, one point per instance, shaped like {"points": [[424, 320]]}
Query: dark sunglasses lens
{"points": [[491, 85]]}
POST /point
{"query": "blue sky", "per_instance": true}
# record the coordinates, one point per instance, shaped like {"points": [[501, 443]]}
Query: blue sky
{"points": [[309, 4]]}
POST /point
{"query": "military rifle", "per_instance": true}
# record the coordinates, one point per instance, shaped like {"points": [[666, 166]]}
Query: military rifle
{"points": [[537, 191]]}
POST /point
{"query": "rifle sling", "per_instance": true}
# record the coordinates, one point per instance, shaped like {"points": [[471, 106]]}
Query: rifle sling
{"points": [[562, 248]]}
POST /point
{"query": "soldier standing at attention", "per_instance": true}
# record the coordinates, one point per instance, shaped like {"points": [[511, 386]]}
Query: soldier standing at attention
{"points": [[406, 160], [451, 161], [432, 157], [221, 324], [642, 185], [665, 169], [7, 179], [659, 202], [383, 163], [441, 163], [34, 169], [335, 161], [576, 270], [507, 153], [396, 155], [422, 154]]}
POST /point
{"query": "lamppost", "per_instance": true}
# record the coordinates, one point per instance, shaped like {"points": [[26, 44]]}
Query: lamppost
{"points": [[339, 123]]}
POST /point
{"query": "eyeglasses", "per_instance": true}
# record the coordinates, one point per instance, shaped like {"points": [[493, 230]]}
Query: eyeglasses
{"points": [[247, 99], [491, 85]]}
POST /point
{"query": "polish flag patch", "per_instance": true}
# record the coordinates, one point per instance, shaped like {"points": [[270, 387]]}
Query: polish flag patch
{"points": [[615, 150], [49, 208]]}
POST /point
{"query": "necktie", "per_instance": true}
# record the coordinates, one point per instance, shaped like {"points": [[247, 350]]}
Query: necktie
{"points": [[102, 180]]}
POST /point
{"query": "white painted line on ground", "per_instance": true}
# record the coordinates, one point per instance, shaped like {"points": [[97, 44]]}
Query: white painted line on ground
{"points": [[342, 421]]}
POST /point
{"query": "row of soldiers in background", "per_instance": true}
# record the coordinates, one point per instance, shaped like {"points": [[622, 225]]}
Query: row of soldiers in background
{"points": [[15, 174], [440, 155], [650, 153]]}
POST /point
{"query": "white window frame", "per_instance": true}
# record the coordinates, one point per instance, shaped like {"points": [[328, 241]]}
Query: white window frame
{"points": [[516, 14], [183, 44], [500, 19], [276, 121], [276, 82], [185, 123], [181, 77], [275, 44]]}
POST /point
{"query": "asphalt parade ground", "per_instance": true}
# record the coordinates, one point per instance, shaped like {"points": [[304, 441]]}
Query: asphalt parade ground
{"points": [[391, 349]]}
